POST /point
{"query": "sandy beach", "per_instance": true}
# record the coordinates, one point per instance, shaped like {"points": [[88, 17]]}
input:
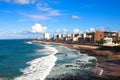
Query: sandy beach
{"points": [[107, 60]]}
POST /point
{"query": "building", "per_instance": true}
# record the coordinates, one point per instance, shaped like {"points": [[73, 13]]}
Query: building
{"points": [[59, 36], [108, 41], [86, 38], [46, 36], [118, 35], [68, 37], [75, 37], [98, 36]]}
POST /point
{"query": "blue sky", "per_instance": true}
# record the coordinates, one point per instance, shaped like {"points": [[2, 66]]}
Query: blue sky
{"points": [[31, 18]]}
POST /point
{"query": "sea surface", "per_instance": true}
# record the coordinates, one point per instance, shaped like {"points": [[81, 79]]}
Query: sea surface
{"points": [[24, 60]]}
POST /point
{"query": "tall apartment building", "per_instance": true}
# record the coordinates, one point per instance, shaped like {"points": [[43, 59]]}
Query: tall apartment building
{"points": [[46, 36]]}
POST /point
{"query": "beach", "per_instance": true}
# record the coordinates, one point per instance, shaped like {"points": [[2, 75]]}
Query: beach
{"points": [[107, 60], [51, 60]]}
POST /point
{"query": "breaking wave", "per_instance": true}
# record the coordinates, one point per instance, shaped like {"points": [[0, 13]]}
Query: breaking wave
{"points": [[39, 68]]}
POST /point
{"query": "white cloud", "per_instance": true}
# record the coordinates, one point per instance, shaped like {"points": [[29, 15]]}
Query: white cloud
{"points": [[54, 13], [75, 17], [76, 31], [19, 1], [50, 11], [58, 30], [87, 30], [43, 6], [38, 28], [61, 31], [45, 13], [38, 17], [22, 20], [92, 30], [101, 28], [65, 30], [34, 17], [42, 17], [22, 1]]}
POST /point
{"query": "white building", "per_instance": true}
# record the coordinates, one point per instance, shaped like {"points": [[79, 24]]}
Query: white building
{"points": [[59, 36], [46, 36], [75, 37], [84, 35], [108, 41]]}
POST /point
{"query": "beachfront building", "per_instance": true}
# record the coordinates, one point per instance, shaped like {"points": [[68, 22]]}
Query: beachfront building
{"points": [[107, 41], [118, 35], [98, 36], [46, 36], [58, 36], [54, 36], [75, 37], [117, 40], [68, 37], [110, 34], [86, 38], [63, 37]]}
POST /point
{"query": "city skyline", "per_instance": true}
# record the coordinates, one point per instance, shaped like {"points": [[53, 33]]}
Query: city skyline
{"points": [[31, 18]]}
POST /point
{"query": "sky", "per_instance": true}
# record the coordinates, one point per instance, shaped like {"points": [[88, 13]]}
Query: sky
{"points": [[32, 18]]}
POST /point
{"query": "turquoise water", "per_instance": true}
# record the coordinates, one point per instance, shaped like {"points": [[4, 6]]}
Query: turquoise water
{"points": [[66, 56], [13, 56], [21, 60]]}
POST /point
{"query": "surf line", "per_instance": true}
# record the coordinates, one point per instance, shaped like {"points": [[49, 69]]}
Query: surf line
{"points": [[40, 67]]}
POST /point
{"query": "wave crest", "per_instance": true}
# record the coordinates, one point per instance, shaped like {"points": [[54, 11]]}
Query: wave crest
{"points": [[40, 67]]}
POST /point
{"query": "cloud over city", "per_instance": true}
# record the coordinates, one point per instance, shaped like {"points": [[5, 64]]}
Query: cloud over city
{"points": [[38, 28]]}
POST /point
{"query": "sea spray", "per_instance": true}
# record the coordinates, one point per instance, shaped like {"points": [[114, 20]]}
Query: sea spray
{"points": [[47, 50], [29, 42], [40, 67]]}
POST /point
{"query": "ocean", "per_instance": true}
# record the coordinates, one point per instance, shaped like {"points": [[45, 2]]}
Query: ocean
{"points": [[24, 60]]}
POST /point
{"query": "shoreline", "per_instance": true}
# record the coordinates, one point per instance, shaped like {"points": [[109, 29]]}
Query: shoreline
{"points": [[107, 60]]}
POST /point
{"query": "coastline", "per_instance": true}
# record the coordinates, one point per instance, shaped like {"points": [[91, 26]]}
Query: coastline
{"points": [[107, 60]]}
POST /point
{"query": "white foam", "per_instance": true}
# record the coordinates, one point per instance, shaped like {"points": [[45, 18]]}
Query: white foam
{"points": [[40, 67], [29, 42], [48, 50]]}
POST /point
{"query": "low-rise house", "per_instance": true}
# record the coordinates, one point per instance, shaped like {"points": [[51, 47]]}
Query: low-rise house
{"points": [[107, 41], [59, 36], [118, 35], [86, 38], [68, 38], [75, 37]]}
